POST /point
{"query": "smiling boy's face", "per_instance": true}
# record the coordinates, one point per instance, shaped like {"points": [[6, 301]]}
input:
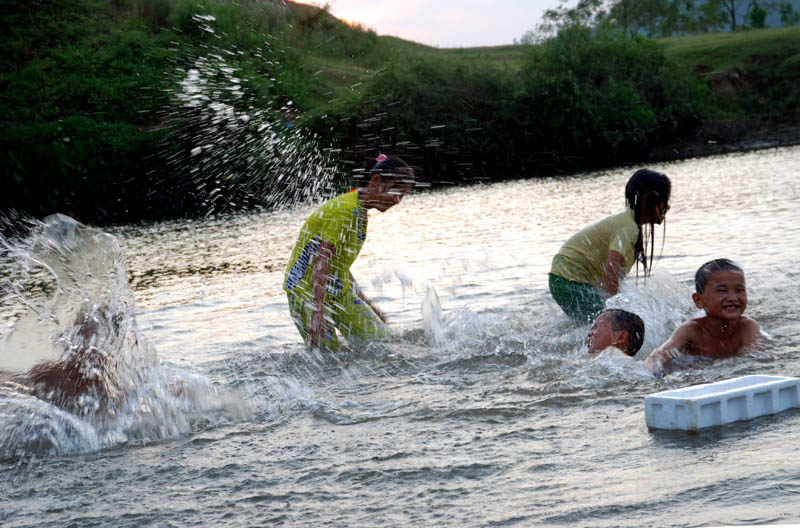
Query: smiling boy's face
{"points": [[725, 295]]}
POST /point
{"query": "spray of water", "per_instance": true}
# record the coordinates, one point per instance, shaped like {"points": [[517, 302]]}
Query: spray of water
{"points": [[76, 373], [432, 316], [229, 149]]}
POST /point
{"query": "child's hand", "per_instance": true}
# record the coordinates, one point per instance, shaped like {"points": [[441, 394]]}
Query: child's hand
{"points": [[669, 355], [660, 358]]}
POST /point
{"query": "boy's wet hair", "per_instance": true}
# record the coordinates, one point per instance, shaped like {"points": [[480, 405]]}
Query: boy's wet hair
{"points": [[712, 266], [645, 190], [390, 167], [631, 323]]}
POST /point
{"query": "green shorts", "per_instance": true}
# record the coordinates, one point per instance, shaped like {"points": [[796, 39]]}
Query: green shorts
{"points": [[582, 302], [352, 317]]}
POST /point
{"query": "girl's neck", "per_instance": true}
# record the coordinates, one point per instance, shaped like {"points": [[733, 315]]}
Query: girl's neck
{"points": [[366, 197]]}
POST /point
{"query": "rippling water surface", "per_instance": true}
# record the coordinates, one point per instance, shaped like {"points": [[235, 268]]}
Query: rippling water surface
{"points": [[483, 410]]}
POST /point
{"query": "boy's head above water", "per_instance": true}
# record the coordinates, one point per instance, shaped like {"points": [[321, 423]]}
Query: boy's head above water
{"points": [[618, 328], [720, 289]]}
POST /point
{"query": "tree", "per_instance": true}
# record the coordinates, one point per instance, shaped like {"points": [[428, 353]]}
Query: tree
{"points": [[789, 17], [731, 7], [757, 16], [527, 39], [582, 14], [703, 18], [664, 18], [650, 17]]}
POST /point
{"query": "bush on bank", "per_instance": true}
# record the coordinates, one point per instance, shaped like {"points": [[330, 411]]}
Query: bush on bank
{"points": [[597, 99]]}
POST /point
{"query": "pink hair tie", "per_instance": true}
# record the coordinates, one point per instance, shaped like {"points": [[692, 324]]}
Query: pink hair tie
{"points": [[381, 157]]}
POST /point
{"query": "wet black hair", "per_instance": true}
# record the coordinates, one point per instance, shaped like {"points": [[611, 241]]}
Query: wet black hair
{"points": [[387, 167], [645, 190], [722, 264], [633, 324]]}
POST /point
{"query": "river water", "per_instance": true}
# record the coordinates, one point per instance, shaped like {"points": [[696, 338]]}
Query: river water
{"points": [[483, 410]]}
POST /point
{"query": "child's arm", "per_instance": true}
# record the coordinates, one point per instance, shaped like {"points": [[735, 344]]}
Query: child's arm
{"points": [[319, 281], [673, 348], [354, 285], [612, 269]]}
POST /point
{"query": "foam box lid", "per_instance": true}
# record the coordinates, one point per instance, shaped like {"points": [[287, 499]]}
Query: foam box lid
{"points": [[722, 402]]}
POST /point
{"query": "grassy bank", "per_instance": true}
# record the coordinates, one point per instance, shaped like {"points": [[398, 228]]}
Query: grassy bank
{"points": [[128, 109]]}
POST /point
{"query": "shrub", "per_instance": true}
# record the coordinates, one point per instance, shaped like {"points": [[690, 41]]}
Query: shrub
{"points": [[598, 97], [448, 117]]}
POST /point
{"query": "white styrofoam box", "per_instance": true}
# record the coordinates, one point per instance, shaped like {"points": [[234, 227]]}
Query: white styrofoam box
{"points": [[722, 402]]}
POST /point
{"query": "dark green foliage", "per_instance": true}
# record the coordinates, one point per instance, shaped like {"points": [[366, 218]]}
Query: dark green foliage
{"points": [[757, 16], [88, 115], [773, 83], [789, 17], [601, 98], [79, 89], [91, 121], [451, 119], [582, 100], [73, 62], [77, 166]]}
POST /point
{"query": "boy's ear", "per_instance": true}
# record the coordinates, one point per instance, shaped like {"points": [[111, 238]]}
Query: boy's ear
{"points": [[698, 300], [620, 339]]}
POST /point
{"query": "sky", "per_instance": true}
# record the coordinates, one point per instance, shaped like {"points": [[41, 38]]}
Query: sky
{"points": [[446, 23]]}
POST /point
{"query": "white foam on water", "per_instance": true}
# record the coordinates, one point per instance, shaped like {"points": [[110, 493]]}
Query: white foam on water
{"points": [[432, 317]]}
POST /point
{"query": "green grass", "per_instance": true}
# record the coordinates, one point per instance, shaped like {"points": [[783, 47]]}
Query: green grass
{"points": [[340, 77], [705, 53], [715, 52], [343, 75]]}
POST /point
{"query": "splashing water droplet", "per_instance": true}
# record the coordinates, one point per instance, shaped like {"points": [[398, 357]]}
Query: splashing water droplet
{"points": [[251, 143], [82, 376], [432, 316]]}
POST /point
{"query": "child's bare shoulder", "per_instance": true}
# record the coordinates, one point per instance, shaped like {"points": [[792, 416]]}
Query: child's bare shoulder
{"points": [[751, 331], [691, 329], [750, 323]]}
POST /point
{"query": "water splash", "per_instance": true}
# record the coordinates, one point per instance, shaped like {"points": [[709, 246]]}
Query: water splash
{"points": [[76, 374], [662, 302], [432, 317], [231, 148]]}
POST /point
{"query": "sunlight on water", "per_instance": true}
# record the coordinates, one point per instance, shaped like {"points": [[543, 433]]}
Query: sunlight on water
{"points": [[484, 390]]}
